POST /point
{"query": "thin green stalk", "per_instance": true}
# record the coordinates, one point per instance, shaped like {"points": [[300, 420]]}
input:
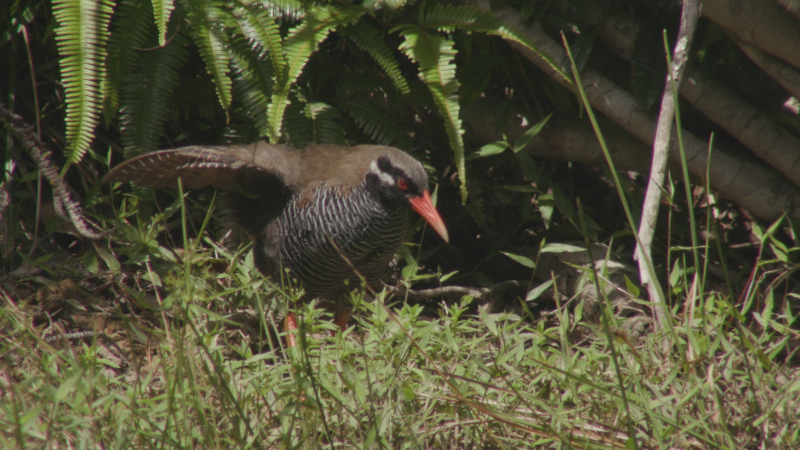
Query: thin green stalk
{"points": [[709, 234], [685, 171], [648, 261]]}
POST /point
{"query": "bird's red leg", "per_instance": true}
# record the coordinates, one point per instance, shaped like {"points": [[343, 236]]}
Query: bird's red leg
{"points": [[290, 326], [340, 319]]}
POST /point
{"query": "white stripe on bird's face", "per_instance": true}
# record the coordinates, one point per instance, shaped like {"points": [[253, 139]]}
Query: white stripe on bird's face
{"points": [[383, 176]]}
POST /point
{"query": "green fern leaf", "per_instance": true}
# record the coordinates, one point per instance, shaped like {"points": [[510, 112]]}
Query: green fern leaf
{"points": [[238, 131], [419, 97], [370, 40], [324, 127], [252, 85], [261, 30], [296, 126], [373, 120], [289, 10], [207, 24], [297, 48], [131, 25], [360, 84], [313, 123], [475, 205], [391, 6], [146, 93], [162, 9], [435, 56], [193, 98], [81, 35], [449, 18]]}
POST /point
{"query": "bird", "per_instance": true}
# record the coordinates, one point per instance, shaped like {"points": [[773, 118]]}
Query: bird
{"points": [[325, 214]]}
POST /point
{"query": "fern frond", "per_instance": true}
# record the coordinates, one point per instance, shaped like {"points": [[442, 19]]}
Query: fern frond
{"points": [[297, 48], [162, 10], [296, 127], [193, 98], [313, 123], [81, 35], [252, 85], [435, 56], [476, 204], [386, 5], [373, 120], [289, 10], [145, 96], [131, 25], [418, 97], [449, 18], [369, 39], [324, 127], [207, 25], [238, 132], [260, 29], [366, 83]]}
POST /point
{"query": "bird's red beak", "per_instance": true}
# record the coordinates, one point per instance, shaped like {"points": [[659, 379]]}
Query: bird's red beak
{"points": [[424, 207]]}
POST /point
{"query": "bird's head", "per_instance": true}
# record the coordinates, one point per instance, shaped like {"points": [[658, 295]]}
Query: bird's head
{"points": [[401, 181]]}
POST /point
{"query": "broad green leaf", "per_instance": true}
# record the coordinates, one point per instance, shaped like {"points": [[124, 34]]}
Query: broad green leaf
{"points": [[632, 288], [676, 273], [527, 262], [488, 150], [526, 137], [546, 208], [538, 290], [561, 248], [490, 320], [108, 258]]}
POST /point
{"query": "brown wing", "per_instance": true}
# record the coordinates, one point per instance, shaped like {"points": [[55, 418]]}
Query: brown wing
{"points": [[340, 166], [245, 166], [225, 167]]}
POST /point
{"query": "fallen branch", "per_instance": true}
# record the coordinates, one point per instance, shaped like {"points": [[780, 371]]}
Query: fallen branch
{"points": [[763, 136], [768, 140], [67, 209], [565, 138], [478, 293], [761, 23], [792, 6], [784, 74], [760, 190]]}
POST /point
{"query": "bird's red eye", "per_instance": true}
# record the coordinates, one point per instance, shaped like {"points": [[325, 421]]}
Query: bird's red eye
{"points": [[402, 184]]}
